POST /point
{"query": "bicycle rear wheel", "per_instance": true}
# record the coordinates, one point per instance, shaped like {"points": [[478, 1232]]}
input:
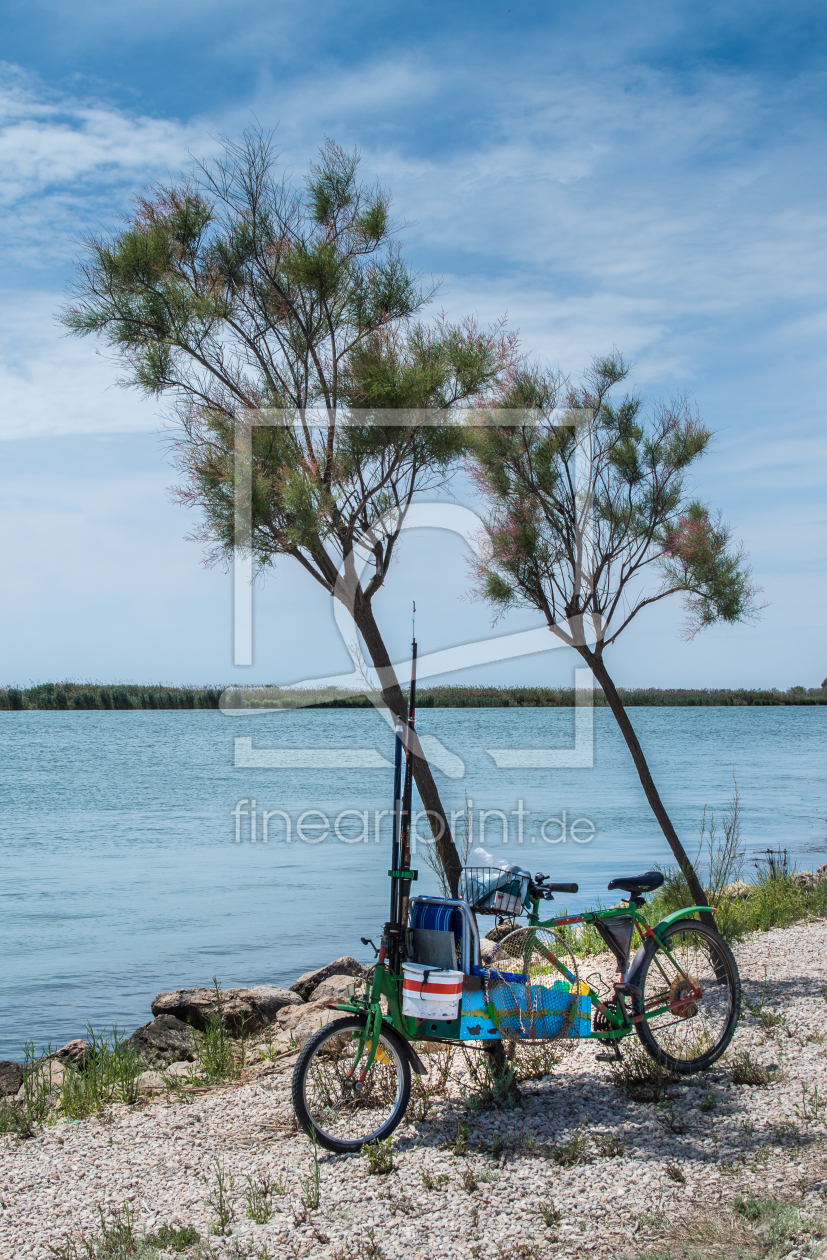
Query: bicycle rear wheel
{"points": [[688, 1006], [337, 1101]]}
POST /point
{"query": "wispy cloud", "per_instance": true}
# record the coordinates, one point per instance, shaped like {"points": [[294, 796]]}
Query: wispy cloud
{"points": [[65, 160]]}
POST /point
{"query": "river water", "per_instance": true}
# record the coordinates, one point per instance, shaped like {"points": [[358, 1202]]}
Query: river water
{"points": [[126, 870]]}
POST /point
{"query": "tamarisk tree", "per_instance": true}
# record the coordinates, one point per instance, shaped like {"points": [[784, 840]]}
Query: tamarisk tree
{"points": [[591, 521], [234, 294]]}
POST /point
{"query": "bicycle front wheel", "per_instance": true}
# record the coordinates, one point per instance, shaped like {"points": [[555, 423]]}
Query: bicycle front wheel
{"points": [[335, 1099], [690, 997]]}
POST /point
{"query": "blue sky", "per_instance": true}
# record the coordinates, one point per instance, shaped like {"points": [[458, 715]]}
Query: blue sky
{"points": [[650, 177]]}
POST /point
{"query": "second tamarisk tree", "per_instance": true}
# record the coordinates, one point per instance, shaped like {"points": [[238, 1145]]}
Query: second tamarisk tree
{"points": [[591, 520]]}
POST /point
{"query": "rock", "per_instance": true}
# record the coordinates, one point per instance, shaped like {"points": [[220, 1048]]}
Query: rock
{"points": [[804, 879], [487, 948], [75, 1052], [288, 1015], [500, 930], [182, 1069], [11, 1076], [738, 890], [245, 1010], [821, 873], [150, 1083], [337, 989], [301, 1022], [310, 981], [164, 1040], [47, 1073]]}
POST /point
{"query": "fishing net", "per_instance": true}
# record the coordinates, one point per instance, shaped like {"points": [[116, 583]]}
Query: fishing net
{"points": [[532, 1000]]}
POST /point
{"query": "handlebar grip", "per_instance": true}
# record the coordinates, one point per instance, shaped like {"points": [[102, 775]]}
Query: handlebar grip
{"points": [[569, 888]]}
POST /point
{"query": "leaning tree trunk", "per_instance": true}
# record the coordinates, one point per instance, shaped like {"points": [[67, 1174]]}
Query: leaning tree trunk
{"points": [[600, 672], [449, 858]]}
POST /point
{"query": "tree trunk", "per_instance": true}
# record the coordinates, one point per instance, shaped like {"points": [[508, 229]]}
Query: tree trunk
{"points": [[600, 672], [446, 849]]}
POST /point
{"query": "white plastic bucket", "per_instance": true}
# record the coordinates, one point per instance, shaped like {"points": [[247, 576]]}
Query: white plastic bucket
{"points": [[430, 992]]}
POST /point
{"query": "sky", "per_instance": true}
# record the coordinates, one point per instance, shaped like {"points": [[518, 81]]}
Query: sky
{"points": [[646, 177]]}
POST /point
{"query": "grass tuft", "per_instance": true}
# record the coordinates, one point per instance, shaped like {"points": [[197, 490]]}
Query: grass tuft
{"points": [[380, 1157]]}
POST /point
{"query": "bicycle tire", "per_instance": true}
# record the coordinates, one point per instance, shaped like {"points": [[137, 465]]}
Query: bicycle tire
{"points": [[671, 1036], [386, 1114]]}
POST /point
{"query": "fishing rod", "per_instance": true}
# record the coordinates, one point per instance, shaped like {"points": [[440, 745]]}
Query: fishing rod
{"points": [[397, 832], [400, 872], [407, 794]]}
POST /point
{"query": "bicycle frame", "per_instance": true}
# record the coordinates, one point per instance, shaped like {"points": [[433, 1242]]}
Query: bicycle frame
{"points": [[618, 1020]]}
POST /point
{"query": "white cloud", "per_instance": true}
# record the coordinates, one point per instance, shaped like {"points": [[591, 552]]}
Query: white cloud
{"points": [[64, 161], [51, 384]]}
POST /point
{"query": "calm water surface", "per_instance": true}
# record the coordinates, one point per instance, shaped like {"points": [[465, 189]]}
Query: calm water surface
{"points": [[122, 875]]}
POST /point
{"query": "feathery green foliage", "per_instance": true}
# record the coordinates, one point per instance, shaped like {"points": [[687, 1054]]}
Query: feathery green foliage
{"points": [[280, 323]]}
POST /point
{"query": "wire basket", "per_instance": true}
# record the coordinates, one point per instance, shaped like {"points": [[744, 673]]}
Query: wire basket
{"points": [[532, 1001], [491, 890]]}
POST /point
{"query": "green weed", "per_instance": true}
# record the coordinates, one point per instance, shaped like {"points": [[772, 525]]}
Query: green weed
{"points": [[115, 1240], [572, 1151], [109, 1073], [217, 1055], [380, 1157], [748, 1071], [549, 1214], [609, 1145], [811, 1103], [468, 1179], [310, 1186], [458, 1145], [170, 1238], [777, 1224], [638, 1075], [259, 1198], [219, 1200], [22, 1116]]}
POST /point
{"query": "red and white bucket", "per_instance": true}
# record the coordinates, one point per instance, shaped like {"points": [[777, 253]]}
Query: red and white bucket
{"points": [[430, 992]]}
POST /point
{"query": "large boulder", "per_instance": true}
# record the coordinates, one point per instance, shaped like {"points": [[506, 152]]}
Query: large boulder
{"points": [[150, 1083], [738, 890], [337, 989], [804, 879], [164, 1040], [302, 1021], [11, 1076], [75, 1052], [245, 1010], [307, 984]]}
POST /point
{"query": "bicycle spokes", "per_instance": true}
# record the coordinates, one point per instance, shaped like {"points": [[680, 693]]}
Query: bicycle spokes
{"points": [[688, 999], [346, 1099]]}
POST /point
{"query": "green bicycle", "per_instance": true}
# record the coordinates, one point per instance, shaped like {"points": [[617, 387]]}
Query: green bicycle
{"points": [[680, 993]]}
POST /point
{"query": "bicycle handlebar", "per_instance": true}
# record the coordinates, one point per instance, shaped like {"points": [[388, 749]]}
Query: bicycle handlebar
{"points": [[539, 886]]}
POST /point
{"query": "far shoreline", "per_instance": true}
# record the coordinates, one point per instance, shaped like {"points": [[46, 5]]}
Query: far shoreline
{"points": [[74, 696]]}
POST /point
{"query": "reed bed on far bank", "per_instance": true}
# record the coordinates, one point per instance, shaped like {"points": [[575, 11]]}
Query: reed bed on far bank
{"points": [[74, 695], [69, 695]]}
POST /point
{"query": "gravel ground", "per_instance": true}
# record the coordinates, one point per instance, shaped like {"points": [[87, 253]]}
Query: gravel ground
{"points": [[679, 1170]]}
